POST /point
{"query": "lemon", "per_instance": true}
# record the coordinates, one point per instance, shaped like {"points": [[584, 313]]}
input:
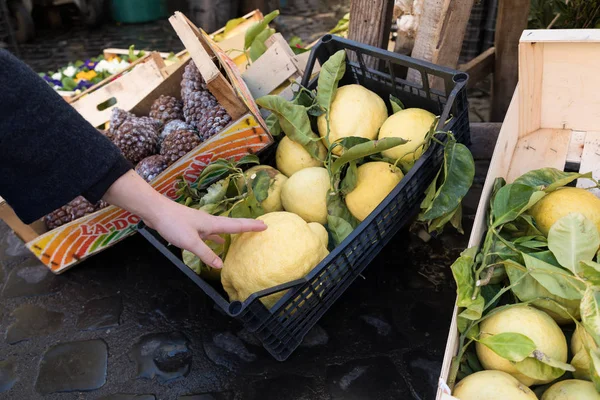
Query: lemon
{"points": [[581, 340], [305, 194], [291, 157], [571, 389], [273, 200], [355, 111], [375, 180], [492, 385], [287, 250], [536, 325], [561, 203], [411, 124], [320, 231]]}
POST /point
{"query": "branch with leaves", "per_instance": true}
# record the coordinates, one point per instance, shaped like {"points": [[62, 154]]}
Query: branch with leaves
{"points": [[517, 264]]}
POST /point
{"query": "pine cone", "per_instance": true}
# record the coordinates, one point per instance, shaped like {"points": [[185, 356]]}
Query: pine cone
{"points": [[166, 109], [191, 81], [117, 117], [73, 210], [137, 138], [150, 167], [175, 125], [178, 144], [202, 111]]}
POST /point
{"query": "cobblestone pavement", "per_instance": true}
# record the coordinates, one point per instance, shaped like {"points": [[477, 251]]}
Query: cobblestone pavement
{"points": [[125, 322]]}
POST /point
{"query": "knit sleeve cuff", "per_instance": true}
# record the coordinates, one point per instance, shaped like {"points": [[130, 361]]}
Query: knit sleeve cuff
{"points": [[96, 191]]}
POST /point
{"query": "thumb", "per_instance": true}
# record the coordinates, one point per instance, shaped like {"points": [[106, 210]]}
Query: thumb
{"points": [[205, 253]]}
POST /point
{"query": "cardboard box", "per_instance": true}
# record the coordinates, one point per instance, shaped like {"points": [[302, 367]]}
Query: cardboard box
{"points": [[552, 121], [64, 247]]}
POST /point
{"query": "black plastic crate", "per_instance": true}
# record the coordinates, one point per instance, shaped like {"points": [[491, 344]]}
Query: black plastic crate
{"points": [[282, 328]]}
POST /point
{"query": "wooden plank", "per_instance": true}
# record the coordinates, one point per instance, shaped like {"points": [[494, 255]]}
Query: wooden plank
{"points": [[127, 93], [575, 151], [439, 39], [510, 23], [480, 67], [561, 35], [370, 24], [269, 71], [540, 149], [216, 82], [121, 52], [23, 231], [590, 161], [531, 72]]}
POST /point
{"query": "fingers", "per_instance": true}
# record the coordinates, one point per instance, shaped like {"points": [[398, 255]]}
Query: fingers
{"points": [[236, 225], [206, 254]]}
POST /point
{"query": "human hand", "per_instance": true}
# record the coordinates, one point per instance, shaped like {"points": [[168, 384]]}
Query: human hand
{"points": [[181, 226]]}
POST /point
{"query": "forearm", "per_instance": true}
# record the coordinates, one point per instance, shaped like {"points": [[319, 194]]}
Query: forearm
{"points": [[135, 195]]}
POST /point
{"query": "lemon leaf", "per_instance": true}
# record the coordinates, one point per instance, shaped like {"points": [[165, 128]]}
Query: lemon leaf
{"points": [[549, 179], [572, 239], [509, 345]]}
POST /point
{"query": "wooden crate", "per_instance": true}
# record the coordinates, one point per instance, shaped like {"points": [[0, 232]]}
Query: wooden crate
{"points": [[64, 247], [552, 121], [124, 90]]}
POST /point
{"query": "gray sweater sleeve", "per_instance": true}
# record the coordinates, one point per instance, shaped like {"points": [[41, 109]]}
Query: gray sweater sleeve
{"points": [[49, 154]]}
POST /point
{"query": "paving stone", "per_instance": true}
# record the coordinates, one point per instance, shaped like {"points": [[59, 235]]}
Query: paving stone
{"points": [[375, 378], [317, 336], [74, 366], [166, 356], [208, 396], [32, 321], [31, 278], [422, 368], [100, 313], [227, 350], [120, 396], [8, 375], [290, 387]]}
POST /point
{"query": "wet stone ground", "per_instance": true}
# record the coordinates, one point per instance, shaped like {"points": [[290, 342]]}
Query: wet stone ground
{"points": [[126, 325]]}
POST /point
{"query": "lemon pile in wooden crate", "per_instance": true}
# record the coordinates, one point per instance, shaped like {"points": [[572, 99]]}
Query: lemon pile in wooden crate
{"points": [[527, 318]]}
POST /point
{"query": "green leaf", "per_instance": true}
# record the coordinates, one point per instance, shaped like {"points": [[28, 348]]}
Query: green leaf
{"points": [[511, 346], [258, 27], [294, 121], [459, 171], [304, 97], [212, 171], [363, 150], [273, 125], [397, 105], [590, 272], [512, 200], [331, 72], [215, 192], [351, 141], [248, 159], [549, 179], [342, 24], [337, 207], [68, 83], [315, 110], [546, 359], [572, 239], [590, 311], [349, 181], [462, 270], [536, 369], [595, 367], [339, 228], [258, 46], [232, 23], [260, 185], [557, 281], [249, 207], [454, 217]]}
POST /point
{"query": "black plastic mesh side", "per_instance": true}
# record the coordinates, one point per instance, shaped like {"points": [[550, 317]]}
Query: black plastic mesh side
{"points": [[282, 328]]}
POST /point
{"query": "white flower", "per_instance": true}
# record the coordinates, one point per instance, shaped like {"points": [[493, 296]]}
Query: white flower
{"points": [[70, 71], [57, 76], [57, 87], [101, 66]]}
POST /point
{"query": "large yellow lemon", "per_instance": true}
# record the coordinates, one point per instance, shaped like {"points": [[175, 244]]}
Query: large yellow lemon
{"points": [[355, 111], [561, 203], [288, 249], [305, 194], [411, 124], [528, 321], [492, 385], [291, 157], [320, 231], [580, 342], [273, 200], [571, 389], [374, 182]]}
